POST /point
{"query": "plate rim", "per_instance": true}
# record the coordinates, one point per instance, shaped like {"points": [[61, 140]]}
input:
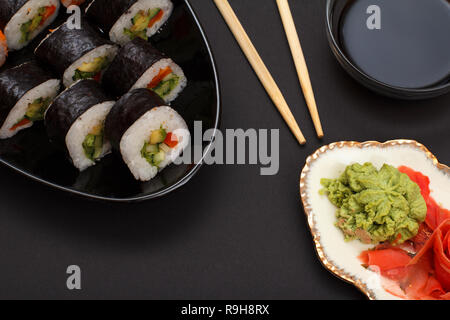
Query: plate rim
{"points": [[323, 258], [177, 185]]}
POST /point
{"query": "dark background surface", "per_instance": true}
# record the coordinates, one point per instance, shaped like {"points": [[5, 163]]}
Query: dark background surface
{"points": [[230, 233]]}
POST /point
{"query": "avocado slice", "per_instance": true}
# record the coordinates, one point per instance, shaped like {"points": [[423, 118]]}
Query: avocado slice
{"points": [[89, 70], [140, 24], [140, 21], [36, 109], [95, 66], [97, 130], [158, 136]]}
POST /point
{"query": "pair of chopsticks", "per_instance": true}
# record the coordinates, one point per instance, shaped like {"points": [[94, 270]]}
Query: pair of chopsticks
{"points": [[263, 73]]}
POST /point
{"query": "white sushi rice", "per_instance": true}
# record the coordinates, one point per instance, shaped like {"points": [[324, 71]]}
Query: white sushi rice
{"points": [[106, 50], [81, 128], [135, 137], [25, 14], [116, 33], [48, 89], [153, 71]]}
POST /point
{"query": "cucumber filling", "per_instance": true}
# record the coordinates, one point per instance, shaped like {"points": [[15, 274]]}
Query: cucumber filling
{"points": [[165, 87], [35, 112], [36, 109], [31, 25], [91, 70], [93, 143], [153, 150], [141, 21]]}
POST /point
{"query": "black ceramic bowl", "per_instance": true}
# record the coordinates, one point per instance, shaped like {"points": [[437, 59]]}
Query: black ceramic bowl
{"points": [[31, 154], [334, 12]]}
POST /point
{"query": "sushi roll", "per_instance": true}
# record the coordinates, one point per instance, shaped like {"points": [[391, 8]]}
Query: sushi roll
{"points": [[26, 92], [76, 54], [75, 123], [68, 3], [140, 65], [148, 135], [3, 49], [22, 20], [125, 20]]}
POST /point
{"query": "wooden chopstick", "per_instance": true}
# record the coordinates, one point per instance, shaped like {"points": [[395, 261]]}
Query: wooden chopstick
{"points": [[259, 67], [300, 63]]}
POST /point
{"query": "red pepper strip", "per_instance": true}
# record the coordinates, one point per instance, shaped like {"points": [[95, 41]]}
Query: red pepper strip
{"points": [[161, 75], [73, 3], [97, 77], [21, 123], [2, 36], [156, 18], [171, 140], [49, 11]]}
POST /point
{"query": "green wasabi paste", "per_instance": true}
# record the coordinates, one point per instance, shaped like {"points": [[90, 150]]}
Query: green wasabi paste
{"points": [[376, 206]]}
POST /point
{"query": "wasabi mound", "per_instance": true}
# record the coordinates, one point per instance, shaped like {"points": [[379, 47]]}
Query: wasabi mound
{"points": [[376, 206]]}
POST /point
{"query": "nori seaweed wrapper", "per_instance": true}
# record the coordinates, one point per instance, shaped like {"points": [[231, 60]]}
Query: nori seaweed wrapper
{"points": [[105, 13], [127, 111], [8, 9], [16, 82], [69, 106], [131, 62], [65, 46]]}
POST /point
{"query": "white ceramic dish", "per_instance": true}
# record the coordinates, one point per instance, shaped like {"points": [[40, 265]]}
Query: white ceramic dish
{"points": [[338, 256]]}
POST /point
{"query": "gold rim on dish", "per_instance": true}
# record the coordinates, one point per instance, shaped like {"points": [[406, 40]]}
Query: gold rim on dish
{"points": [[326, 262]]}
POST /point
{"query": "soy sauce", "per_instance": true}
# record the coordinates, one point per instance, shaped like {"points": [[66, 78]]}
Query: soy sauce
{"points": [[410, 50]]}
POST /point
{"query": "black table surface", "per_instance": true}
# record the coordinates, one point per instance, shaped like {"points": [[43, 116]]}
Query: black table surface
{"points": [[230, 233]]}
